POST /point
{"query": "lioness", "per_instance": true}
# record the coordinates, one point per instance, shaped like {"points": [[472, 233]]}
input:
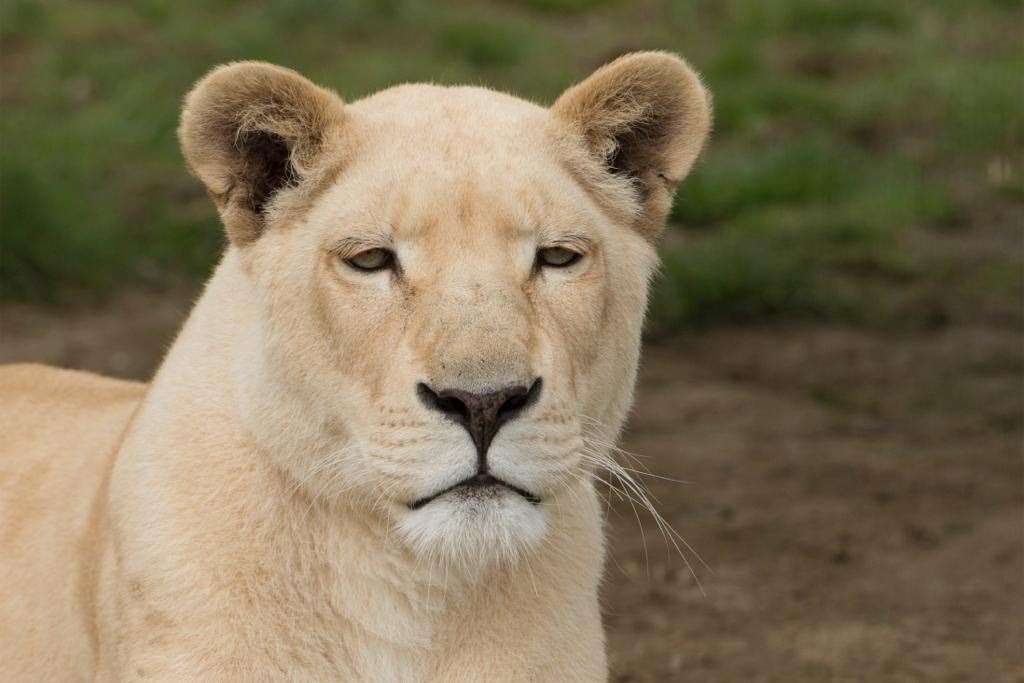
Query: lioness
{"points": [[370, 452]]}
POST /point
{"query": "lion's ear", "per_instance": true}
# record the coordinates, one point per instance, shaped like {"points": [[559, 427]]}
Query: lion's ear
{"points": [[643, 117], [249, 130]]}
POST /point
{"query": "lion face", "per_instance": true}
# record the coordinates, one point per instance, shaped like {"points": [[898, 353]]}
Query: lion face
{"points": [[450, 282]]}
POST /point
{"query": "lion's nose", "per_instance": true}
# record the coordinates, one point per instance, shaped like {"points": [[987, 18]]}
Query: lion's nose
{"points": [[482, 415]]}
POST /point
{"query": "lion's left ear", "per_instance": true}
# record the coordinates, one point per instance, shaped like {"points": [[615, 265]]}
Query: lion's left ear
{"points": [[643, 117], [250, 130]]}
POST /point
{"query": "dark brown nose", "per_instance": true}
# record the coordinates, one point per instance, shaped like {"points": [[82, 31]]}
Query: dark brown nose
{"points": [[482, 415]]}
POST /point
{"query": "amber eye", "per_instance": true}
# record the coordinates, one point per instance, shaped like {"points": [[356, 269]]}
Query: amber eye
{"points": [[557, 257], [372, 260]]}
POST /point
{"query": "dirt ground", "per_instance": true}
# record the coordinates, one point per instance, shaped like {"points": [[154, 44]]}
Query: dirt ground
{"points": [[857, 496]]}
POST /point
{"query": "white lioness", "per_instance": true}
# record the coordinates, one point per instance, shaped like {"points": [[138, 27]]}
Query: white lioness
{"points": [[369, 454]]}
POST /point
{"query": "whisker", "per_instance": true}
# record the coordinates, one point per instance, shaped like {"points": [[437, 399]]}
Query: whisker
{"points": [[599, 455]]}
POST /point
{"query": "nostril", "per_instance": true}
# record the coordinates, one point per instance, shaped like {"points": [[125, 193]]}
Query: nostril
{"points": [[446, 403], [450, 404], [518, 399]]}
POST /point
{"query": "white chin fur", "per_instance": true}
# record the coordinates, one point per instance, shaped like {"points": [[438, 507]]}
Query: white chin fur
{"points": [[474, 533]]}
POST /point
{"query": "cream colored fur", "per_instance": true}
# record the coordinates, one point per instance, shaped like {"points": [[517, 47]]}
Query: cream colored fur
{"points": [[246, 516]]}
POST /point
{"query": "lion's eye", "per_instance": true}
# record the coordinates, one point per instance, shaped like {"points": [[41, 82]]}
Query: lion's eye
{"points": [[557, 257], [372, 260]]}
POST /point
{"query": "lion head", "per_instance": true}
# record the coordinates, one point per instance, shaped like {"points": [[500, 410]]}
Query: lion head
{"points": [[451, 283]]}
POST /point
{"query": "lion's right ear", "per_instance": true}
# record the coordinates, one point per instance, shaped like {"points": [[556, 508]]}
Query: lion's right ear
{"points": [[644, 118], [249, 130]]}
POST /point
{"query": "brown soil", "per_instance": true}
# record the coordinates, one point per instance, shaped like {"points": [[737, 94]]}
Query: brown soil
{"points": [[857, 496]]}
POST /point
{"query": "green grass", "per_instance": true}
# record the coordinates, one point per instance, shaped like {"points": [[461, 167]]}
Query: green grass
{"points": [[847, 136]]}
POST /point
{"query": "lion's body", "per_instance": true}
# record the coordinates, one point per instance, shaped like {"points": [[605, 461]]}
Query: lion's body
{"points": [[61, 430], [284, 501]]}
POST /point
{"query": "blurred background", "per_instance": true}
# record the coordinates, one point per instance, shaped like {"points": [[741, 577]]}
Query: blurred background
{"points": [[835, 358]]}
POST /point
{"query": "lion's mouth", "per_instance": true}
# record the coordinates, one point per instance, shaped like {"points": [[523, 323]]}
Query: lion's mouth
{"points": [[480, 482]]}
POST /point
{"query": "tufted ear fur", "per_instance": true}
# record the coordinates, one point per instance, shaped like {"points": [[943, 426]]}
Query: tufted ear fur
{"points": [[249, 130], [644, 118]]}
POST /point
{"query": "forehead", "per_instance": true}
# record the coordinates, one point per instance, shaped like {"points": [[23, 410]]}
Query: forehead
{"points": [[457, 117], [458, 157]]}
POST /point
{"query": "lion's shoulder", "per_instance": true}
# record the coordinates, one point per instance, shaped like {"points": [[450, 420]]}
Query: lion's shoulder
{"points": [[45, 406]]}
